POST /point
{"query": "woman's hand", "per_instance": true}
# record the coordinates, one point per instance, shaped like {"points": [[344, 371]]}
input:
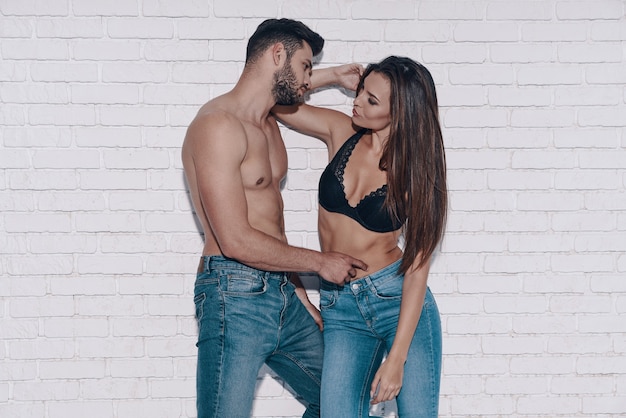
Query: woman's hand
{"points": [[387, 381], [349, 75]]}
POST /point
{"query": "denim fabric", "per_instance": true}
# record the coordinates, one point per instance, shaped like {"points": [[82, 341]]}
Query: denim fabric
{"points": [[247, 317], [360, 322]]}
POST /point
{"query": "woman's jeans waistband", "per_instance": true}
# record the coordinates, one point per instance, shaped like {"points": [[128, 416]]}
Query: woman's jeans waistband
{"points": [[359, 285]]}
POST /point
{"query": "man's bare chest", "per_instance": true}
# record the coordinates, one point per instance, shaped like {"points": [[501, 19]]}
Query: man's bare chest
{"points": [[265, 163]]}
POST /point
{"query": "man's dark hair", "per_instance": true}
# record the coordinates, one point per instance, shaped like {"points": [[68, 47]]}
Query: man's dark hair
{"points": [[289, 32]]}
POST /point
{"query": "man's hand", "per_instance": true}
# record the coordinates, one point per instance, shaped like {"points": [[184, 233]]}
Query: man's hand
{"points": [[315, 313], [339, 268], [348, 75], [304, 298]]}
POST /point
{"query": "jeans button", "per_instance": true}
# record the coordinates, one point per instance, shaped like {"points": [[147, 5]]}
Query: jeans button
{"points": [[355, 286]]}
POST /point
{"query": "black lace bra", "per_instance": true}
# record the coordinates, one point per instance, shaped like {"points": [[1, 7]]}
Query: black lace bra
{"points": [[369, 212]]}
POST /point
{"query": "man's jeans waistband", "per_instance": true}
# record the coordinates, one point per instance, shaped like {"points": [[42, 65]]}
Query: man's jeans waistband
{"points": [[221, 263]]}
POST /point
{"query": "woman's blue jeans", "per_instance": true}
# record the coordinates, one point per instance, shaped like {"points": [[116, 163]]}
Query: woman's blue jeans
{"points": [[360, 322], [248, 317]]}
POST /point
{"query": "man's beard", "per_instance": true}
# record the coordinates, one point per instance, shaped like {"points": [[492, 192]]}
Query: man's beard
{"points": [[285, 90]]}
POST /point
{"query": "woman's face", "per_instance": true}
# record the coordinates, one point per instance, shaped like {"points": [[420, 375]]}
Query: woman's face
{"points": [[372, 106]]}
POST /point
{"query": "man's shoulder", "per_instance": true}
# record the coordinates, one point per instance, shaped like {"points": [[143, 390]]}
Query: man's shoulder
{"points": [[214, 122], [218, 115]]}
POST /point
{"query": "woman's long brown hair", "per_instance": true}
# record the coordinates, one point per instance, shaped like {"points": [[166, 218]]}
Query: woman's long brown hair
{"points": [[414, 158]]}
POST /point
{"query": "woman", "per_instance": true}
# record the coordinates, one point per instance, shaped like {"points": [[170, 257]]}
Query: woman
{"points": [[386, 178]]}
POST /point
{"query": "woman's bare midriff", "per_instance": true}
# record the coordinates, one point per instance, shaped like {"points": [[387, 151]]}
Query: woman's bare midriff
{"points": [[342, 234]]}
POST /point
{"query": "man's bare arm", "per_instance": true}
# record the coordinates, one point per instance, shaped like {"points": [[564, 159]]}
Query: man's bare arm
{"points": [[218, 145]]}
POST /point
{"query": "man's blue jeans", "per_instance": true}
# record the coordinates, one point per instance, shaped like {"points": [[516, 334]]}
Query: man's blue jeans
{"points": [[360, 322], [248, 317]]}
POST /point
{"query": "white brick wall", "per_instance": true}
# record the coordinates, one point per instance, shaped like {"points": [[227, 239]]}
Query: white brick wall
{"points": [[98, 244]]}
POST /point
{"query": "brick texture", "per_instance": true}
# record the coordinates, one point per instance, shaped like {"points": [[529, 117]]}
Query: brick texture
{"points": [[98, 244]]}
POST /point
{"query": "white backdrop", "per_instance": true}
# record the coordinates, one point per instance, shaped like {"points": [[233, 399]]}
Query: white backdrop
{"points": [[99, 246]]}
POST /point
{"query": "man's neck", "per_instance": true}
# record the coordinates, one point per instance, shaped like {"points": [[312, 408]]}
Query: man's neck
{"points": [[253, 96]]}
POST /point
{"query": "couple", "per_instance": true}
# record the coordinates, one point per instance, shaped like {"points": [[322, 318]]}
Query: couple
{"points": [[386, 178]]}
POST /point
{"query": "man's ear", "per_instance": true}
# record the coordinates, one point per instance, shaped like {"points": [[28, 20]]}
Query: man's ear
{"points": [[279, 55]]}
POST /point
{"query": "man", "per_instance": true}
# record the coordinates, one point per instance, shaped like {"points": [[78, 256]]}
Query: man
{"points": [[248, 311]]}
